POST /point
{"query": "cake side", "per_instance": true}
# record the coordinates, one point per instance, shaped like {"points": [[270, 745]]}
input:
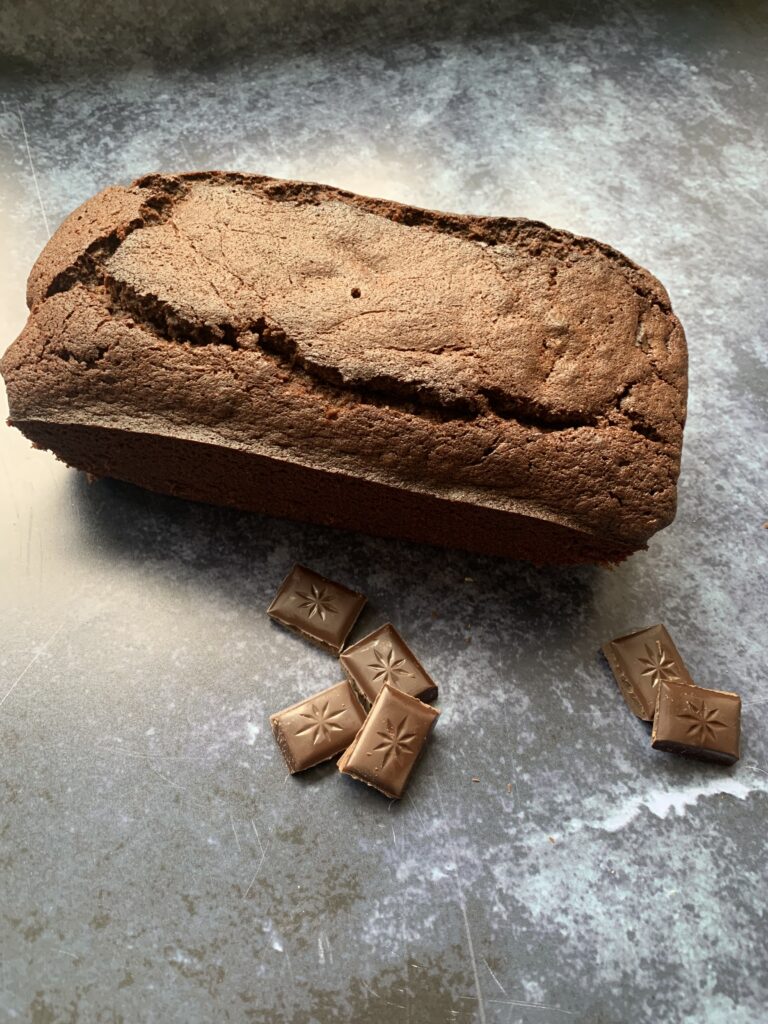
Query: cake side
{"points": [[222, 475], [167, 326]]}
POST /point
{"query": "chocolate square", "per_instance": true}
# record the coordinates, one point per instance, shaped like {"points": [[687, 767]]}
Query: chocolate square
{"points": [[390, 742], [698, 722], [319, 727], [316, 608], [642, 660], [384, 657]]}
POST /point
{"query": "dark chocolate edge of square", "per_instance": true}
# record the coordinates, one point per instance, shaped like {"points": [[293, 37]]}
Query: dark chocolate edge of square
{"points": [[372, 785], [323, 644], [364, 699], [695, 753]]}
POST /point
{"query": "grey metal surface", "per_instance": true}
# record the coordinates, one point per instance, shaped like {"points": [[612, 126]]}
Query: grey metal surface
{"points": [[155, 862]]}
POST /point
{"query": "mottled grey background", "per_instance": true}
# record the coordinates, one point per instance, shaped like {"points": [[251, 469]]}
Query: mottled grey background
{"points": [[155, 862]]}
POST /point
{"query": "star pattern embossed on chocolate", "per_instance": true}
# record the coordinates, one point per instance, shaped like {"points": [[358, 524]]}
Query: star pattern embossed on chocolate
{"points": [[387, 666], [703, 722], [318, 728], [317, 602], [659, 665], [322, 721], [396, 742], [390, 741], [317, 608]]}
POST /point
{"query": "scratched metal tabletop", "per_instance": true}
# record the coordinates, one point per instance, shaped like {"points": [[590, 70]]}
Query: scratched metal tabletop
{"points": [[156, 864]]}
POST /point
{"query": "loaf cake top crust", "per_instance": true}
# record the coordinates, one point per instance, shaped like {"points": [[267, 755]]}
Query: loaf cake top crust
{"points": [[494, 360]]}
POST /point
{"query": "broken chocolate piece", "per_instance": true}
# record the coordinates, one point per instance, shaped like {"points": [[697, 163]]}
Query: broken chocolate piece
{"points": [[390, 742], [316, 608], [318, 728], [642, 660], [697, 722], [384, 657]]}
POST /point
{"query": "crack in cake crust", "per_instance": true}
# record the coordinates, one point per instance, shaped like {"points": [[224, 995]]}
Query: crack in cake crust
{"points": [[165, 319]]}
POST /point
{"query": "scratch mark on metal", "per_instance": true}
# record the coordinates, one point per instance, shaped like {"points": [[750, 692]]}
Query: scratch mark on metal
{"points": [[29, 665], [290, 966], [463, 908], [256, 872], [34, 172], [166, 779], [324, 950], [537, 1006], [407, 989], [146, 757], [234, 830], [376, 995], [416, 809], [258, 837], [488, 968]]}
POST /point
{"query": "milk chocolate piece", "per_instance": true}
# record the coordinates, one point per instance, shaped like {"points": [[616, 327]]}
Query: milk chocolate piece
{"points": [[698, 722], [390, 742], [642, 660], [316, 608], [319, 727], [384, 657]]}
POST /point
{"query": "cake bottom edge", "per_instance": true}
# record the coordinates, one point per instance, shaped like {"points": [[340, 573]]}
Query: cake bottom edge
{"points": [[217, 475]]}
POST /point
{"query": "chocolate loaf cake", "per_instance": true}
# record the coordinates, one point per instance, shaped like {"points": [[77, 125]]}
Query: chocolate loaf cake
{"points": [[291, 348]]}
